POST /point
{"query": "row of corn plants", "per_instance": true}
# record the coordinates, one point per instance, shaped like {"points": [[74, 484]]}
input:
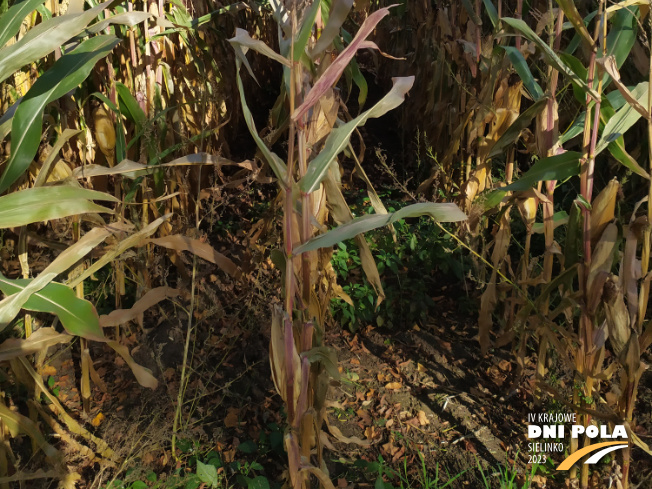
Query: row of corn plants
{"points": [[583, 301], [58, 134]]}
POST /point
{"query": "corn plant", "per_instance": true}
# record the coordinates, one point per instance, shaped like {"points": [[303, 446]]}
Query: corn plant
{"points": [[309, 179], [43, 201], [580, 276]]}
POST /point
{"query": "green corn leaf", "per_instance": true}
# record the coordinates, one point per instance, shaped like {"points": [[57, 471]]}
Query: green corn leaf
{"points": [[558, 219], [44, 38], [10, 306], [618, 151], [575, 42], [575, 129], [129, 106], [360, 81], [338, 139], [491, 12], [78, 316], [45, 203], [329, 77], [276, 164], [521, 67], [308, 23], [12, 19], [558, 167], [580, 70], [622, 36], [623, 120], [338, 13], [468, 6], [7, 117], [67, 73], [438, 211], [569, 8], [549, 54]]}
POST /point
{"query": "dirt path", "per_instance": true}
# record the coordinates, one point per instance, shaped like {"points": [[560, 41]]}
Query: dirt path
{"points": [[426, 390]]}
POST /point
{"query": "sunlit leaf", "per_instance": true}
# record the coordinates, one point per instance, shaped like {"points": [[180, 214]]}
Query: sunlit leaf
{"points": [[40, 340], [624, 119], [521, 67], [438, 211], [338, 139], [67, 73], [569, 8], [78, 316], [549, 54], [10, 306], [328, 79], [12, 19], [45, 38], [491, 12], [45, 203]]}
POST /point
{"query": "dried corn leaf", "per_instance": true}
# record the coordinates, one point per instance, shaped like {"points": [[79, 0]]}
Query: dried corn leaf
{"points": [[41, 339], [332, 74], [609, 65], [203, 250], [143, 375], [603, 209], [74, 427], [283, 352], [10, 306], [136, 239], [18, 424], [337, 434], [151, 298]]}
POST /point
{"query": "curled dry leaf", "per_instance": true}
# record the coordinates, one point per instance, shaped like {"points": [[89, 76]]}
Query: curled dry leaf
{"points": [[423, 419], [41, 339], [11, 305], [202, 250], [136, 239], [17, 424], [143, 375], [335, 431], [151, 298], [609, 65]]}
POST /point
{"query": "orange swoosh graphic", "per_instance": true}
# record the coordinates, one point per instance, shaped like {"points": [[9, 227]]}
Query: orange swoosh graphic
{"points": [[570, 461]]}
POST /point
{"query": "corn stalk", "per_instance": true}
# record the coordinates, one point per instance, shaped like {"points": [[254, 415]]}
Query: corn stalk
{"points": [[301, 364]]}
